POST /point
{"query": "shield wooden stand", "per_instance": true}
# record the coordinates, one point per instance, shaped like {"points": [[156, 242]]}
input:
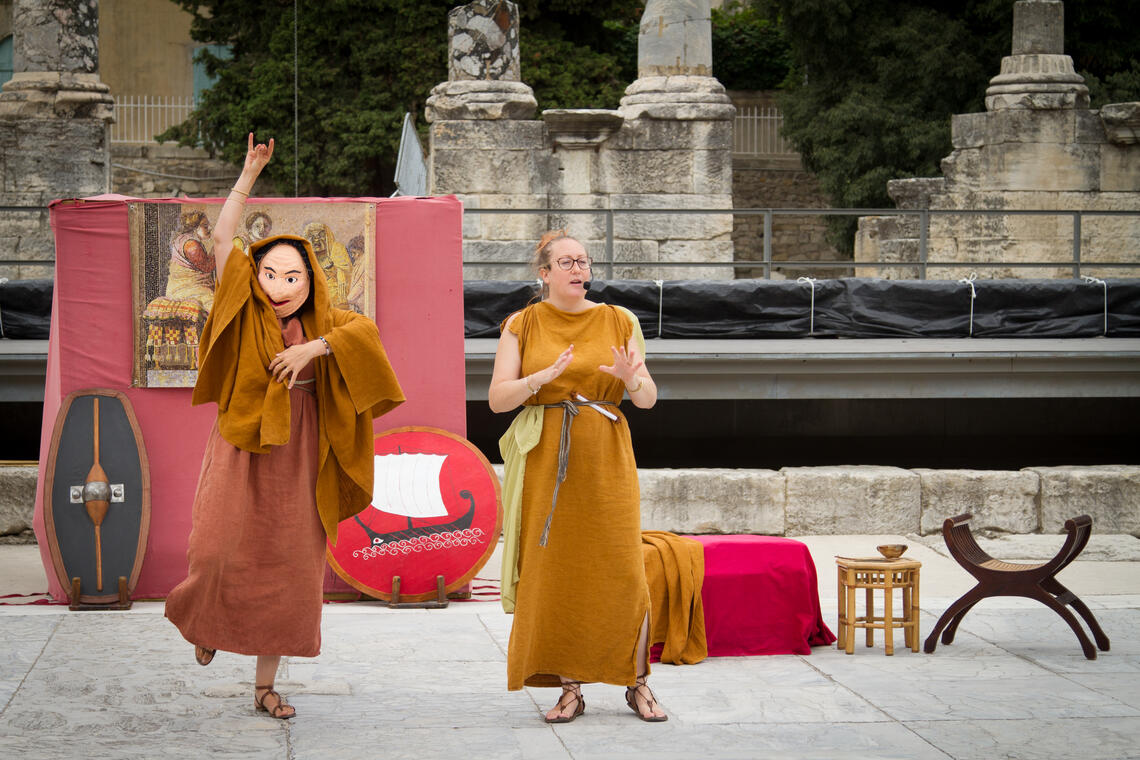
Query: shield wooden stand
{"points": [[97, 499]]}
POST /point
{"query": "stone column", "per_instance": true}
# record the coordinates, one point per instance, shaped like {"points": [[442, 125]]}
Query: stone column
{"points": [[1037, 74], [482, 66], [674, 65], [675, 149], [1037, 146], [55, 116]]}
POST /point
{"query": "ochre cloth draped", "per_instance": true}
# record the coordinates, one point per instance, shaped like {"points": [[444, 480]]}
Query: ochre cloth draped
{"points": [[675, 569], [354, 385]]}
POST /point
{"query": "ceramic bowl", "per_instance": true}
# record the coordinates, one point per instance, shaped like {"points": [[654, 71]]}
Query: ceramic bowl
{"points": [[891, 551]]}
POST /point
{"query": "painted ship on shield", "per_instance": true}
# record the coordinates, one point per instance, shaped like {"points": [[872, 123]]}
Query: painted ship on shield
{"points": [[408, 485]]}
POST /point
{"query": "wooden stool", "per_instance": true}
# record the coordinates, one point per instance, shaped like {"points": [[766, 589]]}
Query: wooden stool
{"points": [[872, 573]]}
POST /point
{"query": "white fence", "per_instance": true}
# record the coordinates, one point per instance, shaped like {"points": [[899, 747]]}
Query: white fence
{"points": [[756, 132], [138, 118]]}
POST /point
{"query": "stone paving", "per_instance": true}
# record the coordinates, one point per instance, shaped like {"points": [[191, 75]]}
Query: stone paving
{"points": [[431, 684]]}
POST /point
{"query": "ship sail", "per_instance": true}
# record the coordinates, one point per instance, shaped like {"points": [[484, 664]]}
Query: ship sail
{"points": [[408, 484]]}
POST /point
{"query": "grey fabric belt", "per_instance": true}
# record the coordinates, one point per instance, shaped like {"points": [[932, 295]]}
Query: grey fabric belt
{"points": [[570, 409]]}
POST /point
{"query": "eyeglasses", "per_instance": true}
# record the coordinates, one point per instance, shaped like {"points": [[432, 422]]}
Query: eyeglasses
{"points": [[568, 263]]}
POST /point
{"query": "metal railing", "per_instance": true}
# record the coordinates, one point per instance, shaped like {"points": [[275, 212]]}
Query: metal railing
{"points": [[756, 132], [138, 118], [768, 263]]}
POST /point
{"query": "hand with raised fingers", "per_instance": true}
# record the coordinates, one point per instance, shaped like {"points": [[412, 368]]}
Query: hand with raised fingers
{"points": [[625, 366], [544, 376], [290, 362], [257, 156]]}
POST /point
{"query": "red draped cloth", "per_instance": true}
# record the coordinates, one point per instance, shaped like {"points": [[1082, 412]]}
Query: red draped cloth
{"points": [[760, 597]]}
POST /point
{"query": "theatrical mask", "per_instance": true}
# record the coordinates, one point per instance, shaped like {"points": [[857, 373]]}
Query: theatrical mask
{"points": [[283, 277]]}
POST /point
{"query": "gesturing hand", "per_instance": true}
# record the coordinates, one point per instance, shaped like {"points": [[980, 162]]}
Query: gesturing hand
{"points": [[293, 359], [257, 156], [625, 366], [544, 376]]}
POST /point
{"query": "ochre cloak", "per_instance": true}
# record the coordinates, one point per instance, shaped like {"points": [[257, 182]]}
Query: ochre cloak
{"points": [[354, 385]]}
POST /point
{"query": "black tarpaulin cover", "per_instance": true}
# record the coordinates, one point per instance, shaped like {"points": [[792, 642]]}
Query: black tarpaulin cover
{"points": [[25, 309], [846, 308]]}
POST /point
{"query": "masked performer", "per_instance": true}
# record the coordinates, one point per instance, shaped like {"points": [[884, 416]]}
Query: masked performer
{"points": [[581, 604], [297, 384]]}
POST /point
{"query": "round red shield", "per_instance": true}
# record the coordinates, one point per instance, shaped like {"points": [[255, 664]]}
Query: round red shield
{"points": [[436, 510]]}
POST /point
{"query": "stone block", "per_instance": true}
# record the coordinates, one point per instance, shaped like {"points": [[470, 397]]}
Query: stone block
{"points": [[1120, 169], [851, 499], [1110, 494], [672, 226], [1026, 126], [646, 171], [489, 260], [581, 226], [522, 226], [487, 172], [968, 130], [467, 134], [667, 134], [579, 172], [17, 498], [695, 251], [712, 172], [627, 251], [1000, 501], [712, 501], [1041, 167]]}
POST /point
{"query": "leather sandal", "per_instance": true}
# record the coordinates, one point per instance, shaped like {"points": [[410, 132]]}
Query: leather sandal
{"points": [[204, 655], [647, 696], [282, 710], [573, 689]]}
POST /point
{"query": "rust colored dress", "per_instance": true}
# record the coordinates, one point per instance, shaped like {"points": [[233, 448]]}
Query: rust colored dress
{"points": [[581, 598], [257, 548]]}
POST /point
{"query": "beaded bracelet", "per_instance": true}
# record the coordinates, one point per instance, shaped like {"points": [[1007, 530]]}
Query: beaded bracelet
{"points": [[328, 349]]}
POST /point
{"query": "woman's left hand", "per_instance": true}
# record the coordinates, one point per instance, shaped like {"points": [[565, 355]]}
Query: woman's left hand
{"points": [[625, 366], [293, 359]]}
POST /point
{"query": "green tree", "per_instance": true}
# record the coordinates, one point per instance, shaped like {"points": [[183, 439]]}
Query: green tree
{"points": [[362, 64]]}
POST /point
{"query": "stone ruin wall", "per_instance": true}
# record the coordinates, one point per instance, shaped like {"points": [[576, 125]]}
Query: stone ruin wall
{"points": [[668, 146], [1037, 146]]}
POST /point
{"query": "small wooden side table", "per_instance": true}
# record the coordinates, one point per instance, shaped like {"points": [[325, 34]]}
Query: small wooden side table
{"points": [[874, 573]]}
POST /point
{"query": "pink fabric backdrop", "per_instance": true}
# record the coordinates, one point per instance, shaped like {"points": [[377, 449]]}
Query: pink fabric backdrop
{"points": [[419, 307]]}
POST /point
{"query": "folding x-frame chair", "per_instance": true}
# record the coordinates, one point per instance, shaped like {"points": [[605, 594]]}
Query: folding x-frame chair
{"points": [[997, 578]]}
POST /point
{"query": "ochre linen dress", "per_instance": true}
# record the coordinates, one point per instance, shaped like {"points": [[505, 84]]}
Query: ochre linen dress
{"points": [[581, 598], [257, 548]]}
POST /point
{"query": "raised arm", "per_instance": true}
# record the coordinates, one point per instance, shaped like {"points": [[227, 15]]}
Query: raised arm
{"points": [[226, 227]]}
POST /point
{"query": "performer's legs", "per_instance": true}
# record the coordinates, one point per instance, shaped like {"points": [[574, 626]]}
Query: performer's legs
{"points": [[639, 697], [264, 696]]}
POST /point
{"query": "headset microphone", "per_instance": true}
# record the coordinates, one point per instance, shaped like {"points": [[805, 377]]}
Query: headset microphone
{"points": [[586, 285]]}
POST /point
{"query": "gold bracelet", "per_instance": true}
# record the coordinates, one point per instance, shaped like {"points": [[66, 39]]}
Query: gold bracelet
{"points": [[640, 383], [244, 195], [533, 391]]}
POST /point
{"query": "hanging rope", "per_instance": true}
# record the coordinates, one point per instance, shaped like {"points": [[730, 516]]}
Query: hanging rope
{"points": [[811, 318], [973, 295], [660, 297], [1103, 284]]}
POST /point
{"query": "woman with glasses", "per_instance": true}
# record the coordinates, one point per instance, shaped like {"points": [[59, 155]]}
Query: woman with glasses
{"points": [[581, 603]]}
